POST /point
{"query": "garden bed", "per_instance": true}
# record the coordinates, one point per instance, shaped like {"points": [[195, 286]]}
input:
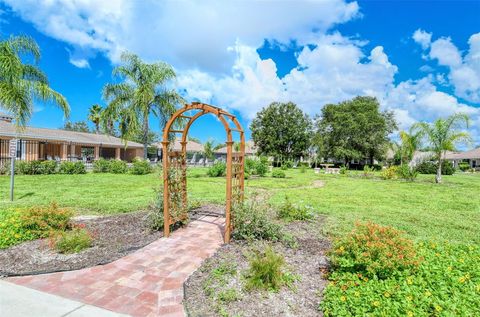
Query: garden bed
{"points": [[114, 237], [217, 288]]}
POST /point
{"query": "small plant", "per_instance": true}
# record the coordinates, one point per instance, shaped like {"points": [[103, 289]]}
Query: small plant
{"points": [[389, 172], [141, 167], [276, 173], [374, 251], [368, 171], [267, 271], [101, 166], [72, 168], [289, 211], [343, 170], [407, 173], [252, 221], [217, 170], [463, 166], [303, 169], [72, 241], [118, 167]]}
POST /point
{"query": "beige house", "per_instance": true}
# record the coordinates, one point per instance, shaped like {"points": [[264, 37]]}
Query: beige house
{"points": [[472, 157], [250, 149], [60, 145]]}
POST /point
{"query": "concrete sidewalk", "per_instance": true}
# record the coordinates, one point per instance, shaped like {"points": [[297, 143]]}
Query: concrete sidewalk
{"points": [[20, 301]]}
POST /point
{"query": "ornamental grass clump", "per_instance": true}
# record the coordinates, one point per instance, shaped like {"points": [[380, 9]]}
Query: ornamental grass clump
{"points": [[72, 241], [267, 271], [374, 251]]}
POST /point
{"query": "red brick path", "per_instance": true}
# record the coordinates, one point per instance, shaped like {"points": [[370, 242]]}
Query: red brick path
{"points": [[148, 282]]}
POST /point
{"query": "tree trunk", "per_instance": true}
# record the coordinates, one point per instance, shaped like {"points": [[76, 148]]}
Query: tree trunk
{"points": [[145, 136], [438, 177]]}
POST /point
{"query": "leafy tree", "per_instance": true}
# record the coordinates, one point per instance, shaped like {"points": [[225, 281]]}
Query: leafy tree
{"points": [[208, 149], [281, 130], [21, 83], [354, 129], [143, 91], [443, 135], [79, 126], [95, 115]]}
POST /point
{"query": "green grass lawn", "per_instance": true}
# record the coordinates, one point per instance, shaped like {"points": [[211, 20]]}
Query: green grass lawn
{"points": [[423, 209]]}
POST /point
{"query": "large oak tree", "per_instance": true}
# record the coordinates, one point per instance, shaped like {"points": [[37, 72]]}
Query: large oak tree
{"points": [[282, 130], [354, 129]]}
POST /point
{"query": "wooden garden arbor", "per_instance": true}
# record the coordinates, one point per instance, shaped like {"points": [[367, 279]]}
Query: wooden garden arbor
{"points": [[175, 205]]}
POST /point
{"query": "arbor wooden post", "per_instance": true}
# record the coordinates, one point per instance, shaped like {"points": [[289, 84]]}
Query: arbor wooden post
{"points": [[166, 196], [228, 208], [171, 128]]}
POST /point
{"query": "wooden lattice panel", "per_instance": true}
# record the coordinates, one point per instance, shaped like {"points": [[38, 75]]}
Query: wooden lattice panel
{"points": [[177, 187]]}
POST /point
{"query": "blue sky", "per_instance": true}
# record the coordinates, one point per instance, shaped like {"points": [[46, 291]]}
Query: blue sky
{"points": [[421, 59]]}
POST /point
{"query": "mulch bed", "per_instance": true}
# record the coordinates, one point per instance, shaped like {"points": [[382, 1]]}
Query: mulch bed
{"points": [[114, 237], [306, 260]]}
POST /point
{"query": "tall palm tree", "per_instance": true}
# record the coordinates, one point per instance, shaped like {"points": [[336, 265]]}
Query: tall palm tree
{"points": [[21, 83], [208, 150], [144, 90], [443, 135], [94, 115], [410, 142]]}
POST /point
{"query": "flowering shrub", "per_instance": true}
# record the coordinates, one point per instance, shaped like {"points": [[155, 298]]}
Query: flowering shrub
{"points": [[289, 211], [389, 172], [374, 251], [446, 283], [11, 229]]}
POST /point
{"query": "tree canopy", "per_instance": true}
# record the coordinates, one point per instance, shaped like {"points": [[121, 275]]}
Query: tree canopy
{"points": [[78, 126], [282, 130], [354, 129]]}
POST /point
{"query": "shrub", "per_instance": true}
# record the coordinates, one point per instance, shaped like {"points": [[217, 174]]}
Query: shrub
{"points": [[72, 241], [447, 283], [278, 173], [41, 220], [289, 211], [389, 172], [217, 170], [374, 251], [252, 221], [101, 166], [405, 172], [155, 217], [463, 166], [267, 271], [343, 170], [368, 171], [428, 167], [287, 164], [256, 166], [12, 231], [140, 167], [118, 167], [303, 169], [72, 168], [49, 167]]}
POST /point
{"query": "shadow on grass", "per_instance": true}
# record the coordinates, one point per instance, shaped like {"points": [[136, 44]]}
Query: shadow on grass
{"points": [[26, 195]]}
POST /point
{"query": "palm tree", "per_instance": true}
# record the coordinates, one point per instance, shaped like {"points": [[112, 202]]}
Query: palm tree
{"points": [[143, 91], [21, 83], [443, 135], [410, 142], [208, 150], [94, 115]]}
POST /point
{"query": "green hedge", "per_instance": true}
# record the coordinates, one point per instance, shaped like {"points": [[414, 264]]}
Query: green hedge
{"points": [[431, 168]]}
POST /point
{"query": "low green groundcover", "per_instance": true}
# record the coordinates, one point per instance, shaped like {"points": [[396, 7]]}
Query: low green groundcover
{"points": [[446, 283]]}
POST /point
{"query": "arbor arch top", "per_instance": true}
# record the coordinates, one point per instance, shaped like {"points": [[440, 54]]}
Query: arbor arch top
{"points": [[175, 205]]}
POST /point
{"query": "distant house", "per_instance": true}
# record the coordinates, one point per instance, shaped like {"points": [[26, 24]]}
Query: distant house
{"points": [[61, 145], [250, 150], [471, 157]]}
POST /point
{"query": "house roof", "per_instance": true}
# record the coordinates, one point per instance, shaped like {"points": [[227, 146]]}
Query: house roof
{"points": [[472, 154], [192, 146], [8, 129], [250, 148]]}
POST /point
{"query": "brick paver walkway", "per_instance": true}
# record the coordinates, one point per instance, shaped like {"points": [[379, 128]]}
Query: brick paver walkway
{"points": [[148, 282]]}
